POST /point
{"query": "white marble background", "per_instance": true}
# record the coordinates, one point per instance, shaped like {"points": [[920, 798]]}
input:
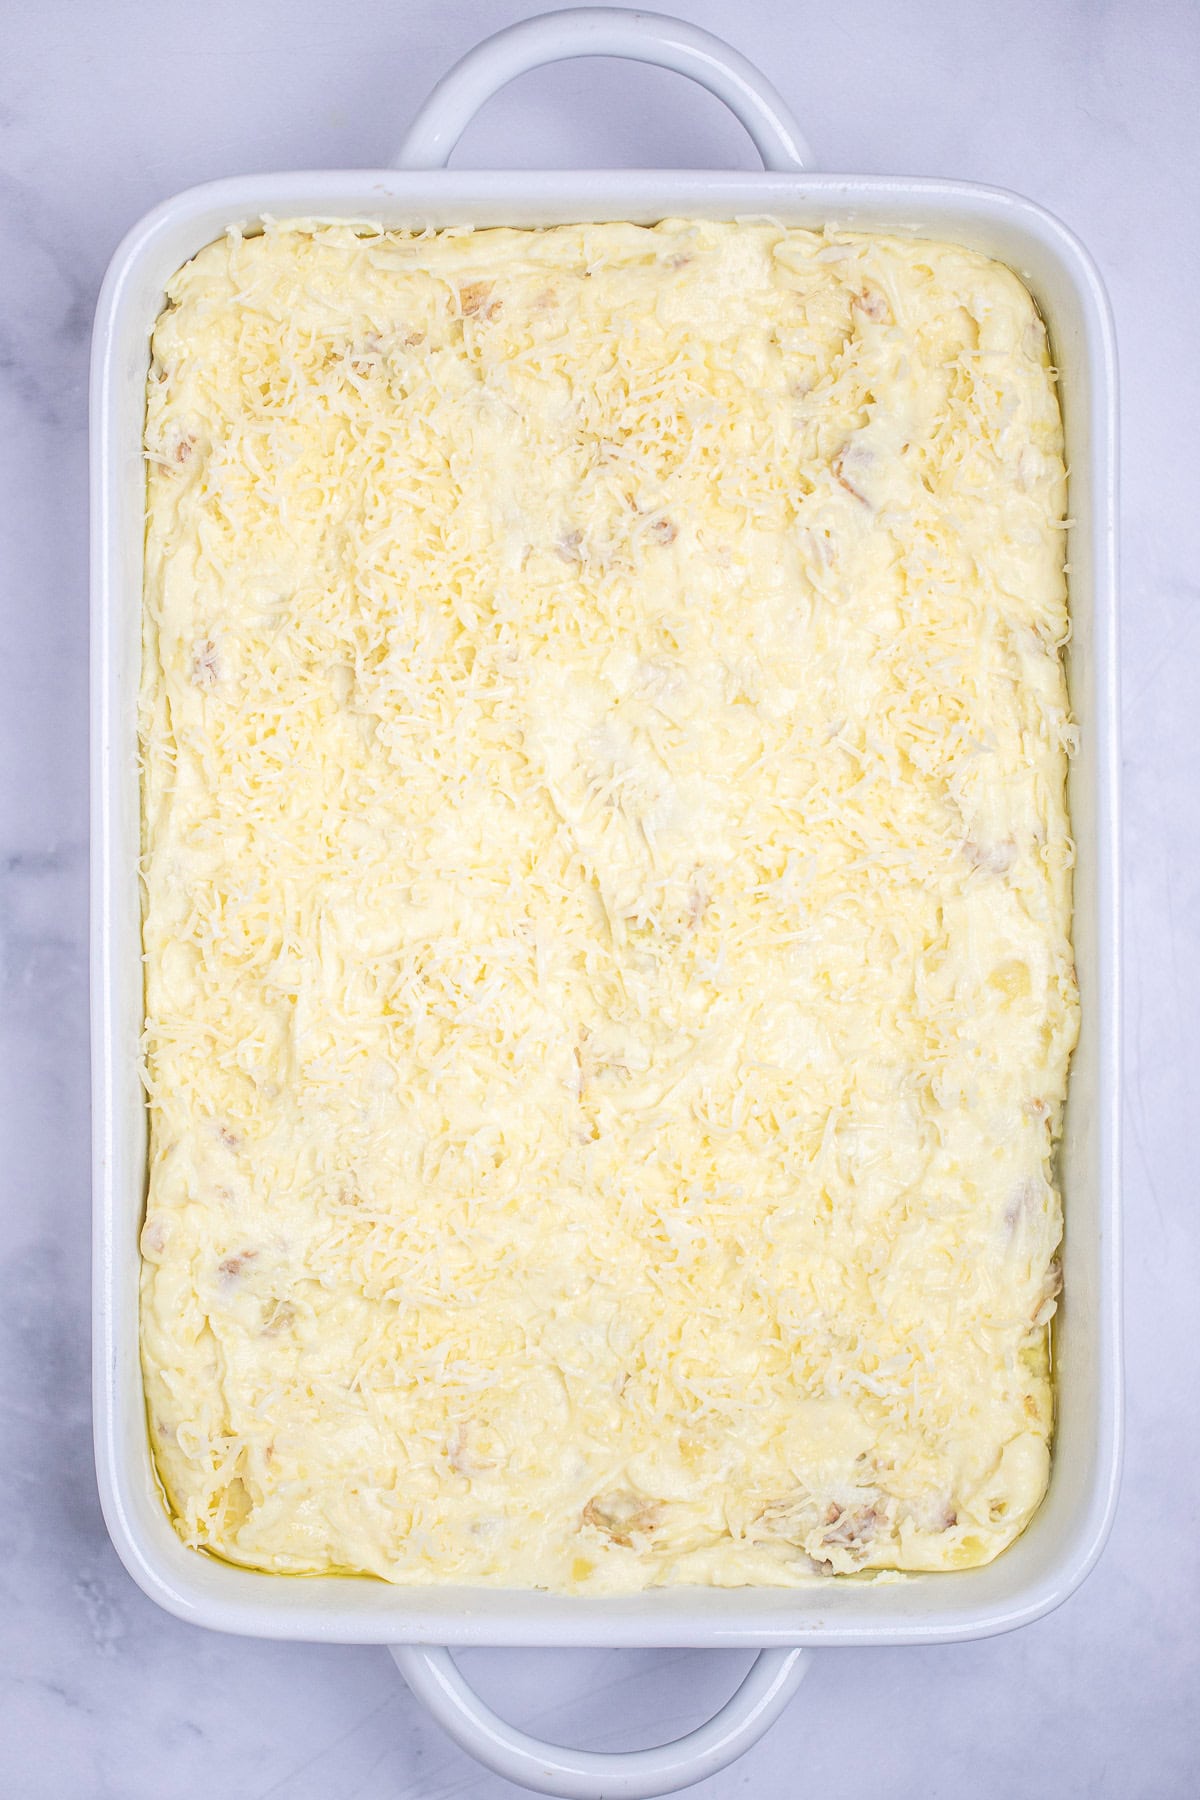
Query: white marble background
{"points": [[1091, 107]]}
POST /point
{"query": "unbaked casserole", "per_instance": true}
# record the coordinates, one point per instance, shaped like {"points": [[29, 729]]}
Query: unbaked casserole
{"points": [[607, 874]]}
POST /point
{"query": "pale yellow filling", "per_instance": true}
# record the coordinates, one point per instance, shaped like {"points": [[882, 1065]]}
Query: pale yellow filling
{"points": [[609, 983]]}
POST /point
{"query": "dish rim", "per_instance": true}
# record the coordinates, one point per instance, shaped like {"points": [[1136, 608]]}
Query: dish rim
{"points": [[360, 1610]]}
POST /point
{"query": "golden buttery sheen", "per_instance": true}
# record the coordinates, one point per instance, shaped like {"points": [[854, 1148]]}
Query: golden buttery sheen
{"points": [[607, 903]]}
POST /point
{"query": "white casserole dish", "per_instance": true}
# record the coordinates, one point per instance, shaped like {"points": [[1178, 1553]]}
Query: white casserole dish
{"points": [[1067, 1533]]}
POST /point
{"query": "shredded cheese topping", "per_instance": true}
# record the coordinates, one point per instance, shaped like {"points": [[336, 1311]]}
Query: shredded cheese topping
{"points": [[609, 987]]}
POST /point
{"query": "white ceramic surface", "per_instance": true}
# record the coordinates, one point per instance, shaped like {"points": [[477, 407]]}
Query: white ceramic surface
{"points": [[1057, 1551], [1087, 112], [1060, 1546]]}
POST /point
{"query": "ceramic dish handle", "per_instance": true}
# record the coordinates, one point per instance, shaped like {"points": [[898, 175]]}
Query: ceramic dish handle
{"points": [[604, 31], [432, 1674], [436, 1680]]}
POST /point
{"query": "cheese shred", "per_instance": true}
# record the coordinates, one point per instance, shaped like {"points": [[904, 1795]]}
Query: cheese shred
{"points": [[607, 903]]}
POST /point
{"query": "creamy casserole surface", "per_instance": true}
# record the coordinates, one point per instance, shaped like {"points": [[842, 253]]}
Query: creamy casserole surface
{"points": [[607, 903]]}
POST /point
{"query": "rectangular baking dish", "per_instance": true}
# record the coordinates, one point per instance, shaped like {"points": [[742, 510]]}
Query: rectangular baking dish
{"points": [[1066, 1535]]}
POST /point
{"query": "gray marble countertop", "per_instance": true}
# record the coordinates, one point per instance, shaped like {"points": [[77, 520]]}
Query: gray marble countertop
{"points": [[1092, 108]]}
